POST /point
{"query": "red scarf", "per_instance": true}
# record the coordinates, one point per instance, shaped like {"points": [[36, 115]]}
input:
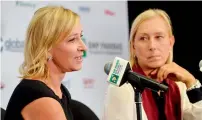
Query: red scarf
{"points": [[172, 106]]}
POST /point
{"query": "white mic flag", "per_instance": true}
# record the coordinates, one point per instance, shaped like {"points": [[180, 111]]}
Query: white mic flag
{"points": [[117, 71]]}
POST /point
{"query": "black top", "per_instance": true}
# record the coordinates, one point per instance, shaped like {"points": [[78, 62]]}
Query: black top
{"points": [[82, 112], [29, 90]]}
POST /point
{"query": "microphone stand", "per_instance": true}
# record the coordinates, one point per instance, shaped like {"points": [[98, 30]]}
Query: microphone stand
{"points": [[138, 98], [138, 89], [138, 102]]}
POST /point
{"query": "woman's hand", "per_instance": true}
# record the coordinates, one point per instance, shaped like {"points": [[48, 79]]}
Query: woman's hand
{"points": [[174, 72]]}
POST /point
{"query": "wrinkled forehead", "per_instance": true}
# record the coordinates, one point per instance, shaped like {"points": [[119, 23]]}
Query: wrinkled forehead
{"points": [[153, 26]]}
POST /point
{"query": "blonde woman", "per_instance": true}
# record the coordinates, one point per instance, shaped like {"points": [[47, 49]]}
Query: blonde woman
{"points": [[53, 47], [151, 52]]}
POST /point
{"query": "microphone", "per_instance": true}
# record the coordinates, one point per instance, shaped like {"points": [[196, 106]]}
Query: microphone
{"points": [[119, 72], [200, 65]]}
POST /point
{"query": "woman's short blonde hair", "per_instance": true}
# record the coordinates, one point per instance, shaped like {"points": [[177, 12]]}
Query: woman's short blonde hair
{"points": [[148, 14], [48, 26]]}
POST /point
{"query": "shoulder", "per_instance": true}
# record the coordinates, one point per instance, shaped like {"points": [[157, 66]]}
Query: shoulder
{"points": [[28, 91], [43, 108], [34, 88]]}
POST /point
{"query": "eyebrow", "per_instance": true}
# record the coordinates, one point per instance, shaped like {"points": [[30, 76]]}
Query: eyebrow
{"points": [[143, 34], [76, 33], [156, 33], [159, 33]]}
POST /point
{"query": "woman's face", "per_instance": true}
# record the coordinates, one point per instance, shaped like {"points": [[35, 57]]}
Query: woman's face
{"points": [[152, 43], [67, 55]]}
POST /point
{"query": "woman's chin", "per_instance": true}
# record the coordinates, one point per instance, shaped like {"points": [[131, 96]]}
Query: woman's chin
{"points": [[156, 64], [73, 68], [77, 68]]}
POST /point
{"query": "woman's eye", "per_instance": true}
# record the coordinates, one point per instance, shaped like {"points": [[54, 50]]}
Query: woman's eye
{"points": [[143, 38], [72, 40], [159, 37]]}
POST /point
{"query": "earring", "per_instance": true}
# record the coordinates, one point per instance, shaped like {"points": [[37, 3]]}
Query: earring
{"points": [[50, 58]]}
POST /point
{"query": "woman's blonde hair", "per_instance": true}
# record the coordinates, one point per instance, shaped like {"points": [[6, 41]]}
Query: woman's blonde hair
{"points": [[49, 25], [148, 14]]}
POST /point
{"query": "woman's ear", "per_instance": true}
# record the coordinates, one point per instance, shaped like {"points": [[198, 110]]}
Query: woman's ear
{"points": [[133, 45], [172, 41]]}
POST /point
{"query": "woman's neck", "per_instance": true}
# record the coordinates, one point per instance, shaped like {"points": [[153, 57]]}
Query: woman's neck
{"points": [[55, 78], [147, 72]]}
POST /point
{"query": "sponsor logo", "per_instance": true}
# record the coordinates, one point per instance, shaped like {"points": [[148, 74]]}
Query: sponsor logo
{"points": [[84, 9], [115, 75], [114, 78], [109, 12], [104, 48], [12, 45], [88, 82], [25, 4]]}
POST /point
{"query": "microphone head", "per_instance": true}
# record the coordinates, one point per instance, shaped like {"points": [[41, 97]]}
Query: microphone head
{"points": [[116, 71], [200, 65], [107, 67]]}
